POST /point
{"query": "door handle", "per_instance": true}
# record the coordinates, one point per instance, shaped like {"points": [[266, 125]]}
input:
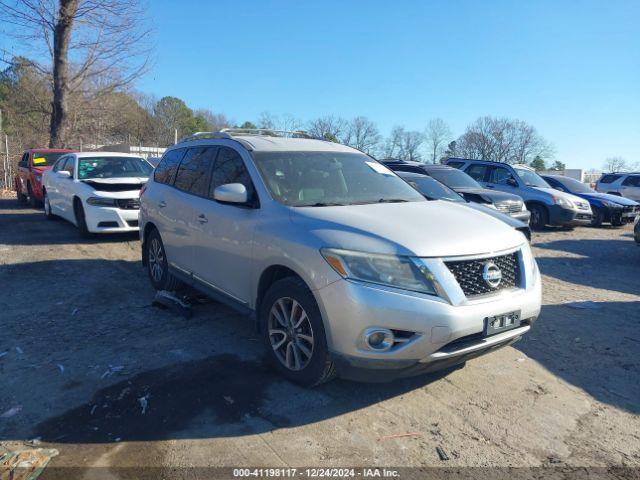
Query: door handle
{"points": [[202, 218], [162, 204]]}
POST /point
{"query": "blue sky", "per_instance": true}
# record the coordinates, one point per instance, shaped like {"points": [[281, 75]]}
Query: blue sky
{"points": [[570, 68]]}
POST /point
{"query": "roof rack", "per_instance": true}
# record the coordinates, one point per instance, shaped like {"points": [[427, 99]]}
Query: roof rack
{"points": [[230, 133]]}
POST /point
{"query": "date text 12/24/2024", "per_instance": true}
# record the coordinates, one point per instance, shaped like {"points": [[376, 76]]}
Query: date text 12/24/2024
{"points": [[315, 472]]}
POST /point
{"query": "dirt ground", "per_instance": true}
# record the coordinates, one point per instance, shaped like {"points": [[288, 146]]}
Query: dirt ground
{"points": [[89, 367]]}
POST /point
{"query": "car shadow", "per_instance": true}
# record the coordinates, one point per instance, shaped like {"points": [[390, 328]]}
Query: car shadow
{"points": [[592, 345], [23, 225], [594, 263], [96, 362]]}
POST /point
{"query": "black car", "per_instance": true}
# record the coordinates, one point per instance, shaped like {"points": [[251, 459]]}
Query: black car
{"points": [[466, 186], [636, 231], [432, 189], [606, 208]]}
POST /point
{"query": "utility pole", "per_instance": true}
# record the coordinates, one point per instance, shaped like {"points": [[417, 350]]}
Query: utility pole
{"points": [[175, 136]]}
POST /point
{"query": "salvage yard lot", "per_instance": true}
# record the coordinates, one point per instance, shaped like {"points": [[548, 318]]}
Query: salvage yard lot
{"points": [[90, 367]]}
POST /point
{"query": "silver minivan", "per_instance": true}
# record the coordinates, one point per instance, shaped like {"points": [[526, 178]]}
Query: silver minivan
{"points": [[345, 268]]}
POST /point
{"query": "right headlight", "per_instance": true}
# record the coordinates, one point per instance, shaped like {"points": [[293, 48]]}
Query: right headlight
{"points": [[563, 202], [101, 201], [407, 273]]}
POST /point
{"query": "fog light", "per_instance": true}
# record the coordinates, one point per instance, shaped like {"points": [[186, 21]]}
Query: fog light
{"points": [[379, 339]]}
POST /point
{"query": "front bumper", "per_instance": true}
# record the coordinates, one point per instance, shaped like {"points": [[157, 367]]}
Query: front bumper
{"points": [[564, 216], [445, 334], [524, 216], [110, 219]]}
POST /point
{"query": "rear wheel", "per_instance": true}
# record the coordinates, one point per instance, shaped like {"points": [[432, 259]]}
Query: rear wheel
{"points": [[293, 332], [539, 216], [22, 198], [81, 221], [157, 264]]}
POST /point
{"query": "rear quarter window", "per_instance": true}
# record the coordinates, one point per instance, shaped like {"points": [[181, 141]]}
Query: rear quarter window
{"points": [[609, 178], [166, 170], [632, 181]]}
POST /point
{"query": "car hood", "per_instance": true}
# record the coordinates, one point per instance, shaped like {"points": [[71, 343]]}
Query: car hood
{"points": [[116, 184], [559, 194], [609, 198], [424, 229], [492, 196]]}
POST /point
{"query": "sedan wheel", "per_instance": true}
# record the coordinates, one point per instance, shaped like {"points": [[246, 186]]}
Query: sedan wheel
{"points": [[156, 260], [290, 334], [47, 206]]}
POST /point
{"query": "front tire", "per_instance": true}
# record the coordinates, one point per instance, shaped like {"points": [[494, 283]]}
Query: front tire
{"points": [[22, 198], [33, 201], [293, 333], [539, 216], [158, 265], [47, 206], [598, 217], [81, 221]]}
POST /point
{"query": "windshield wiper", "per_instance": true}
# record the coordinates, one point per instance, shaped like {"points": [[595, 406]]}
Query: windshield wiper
{"points": [[392, 200], [322, 204]]}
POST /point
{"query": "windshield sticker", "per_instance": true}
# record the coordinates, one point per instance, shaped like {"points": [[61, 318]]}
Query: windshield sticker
{"points": [[379, 168], [39, 160]]}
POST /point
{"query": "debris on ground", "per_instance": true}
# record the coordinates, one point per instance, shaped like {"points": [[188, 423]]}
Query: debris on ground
{"points": [[2, 354], [60, 367], [12, 411], [111, 370], [400, 435], [169, 301], [144, 403], [442, 454], [24, 464], [19, 350], [34, 442], [586, 305]]}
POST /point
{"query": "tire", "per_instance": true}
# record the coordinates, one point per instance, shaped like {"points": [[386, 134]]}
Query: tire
{"points": [[617, 221], [157, 264], [598, 217], [301, 361], [539, 216], [47, 206], [81, 221], [31, 197], [22, 198]]}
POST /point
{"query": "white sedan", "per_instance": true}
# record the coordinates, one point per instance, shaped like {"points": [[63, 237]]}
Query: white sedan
{"points": [[96, 191]]}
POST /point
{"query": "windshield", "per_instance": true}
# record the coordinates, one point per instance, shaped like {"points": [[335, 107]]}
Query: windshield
{"points": [[574, 185], [454, 178], [433, 189], [113, 167], [330, 178], [45, 159], [531, 179]]}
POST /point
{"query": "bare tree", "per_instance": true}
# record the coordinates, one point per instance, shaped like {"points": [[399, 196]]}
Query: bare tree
{"points": [[286, 122], [403, 145], [615, 164], [328, 127], [503, 140], [215, 121], [94, 47], [362, 133], [437, 135]]}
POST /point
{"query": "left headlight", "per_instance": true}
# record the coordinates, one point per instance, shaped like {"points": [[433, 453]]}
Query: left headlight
{"points": [[563, 202], [407, 273], [101, 201]]}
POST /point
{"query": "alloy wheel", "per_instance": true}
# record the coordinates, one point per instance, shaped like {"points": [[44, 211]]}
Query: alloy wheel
{"points": [[290, 333], [156, 260]]}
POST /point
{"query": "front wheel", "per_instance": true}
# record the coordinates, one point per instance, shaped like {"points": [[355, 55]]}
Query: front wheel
{"points": [[539, 216], [598, 217], [293, 332], [81, 221], [47, 206], [22, 198], [33, 201]]}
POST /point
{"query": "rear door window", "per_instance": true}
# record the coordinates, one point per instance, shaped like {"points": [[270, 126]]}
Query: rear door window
{"points": [[229, 168], [632, 181], [609, 178], [195, 169], [477, 172], [166, 170]]}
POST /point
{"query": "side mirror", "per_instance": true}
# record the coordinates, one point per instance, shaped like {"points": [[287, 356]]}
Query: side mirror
{"points": [[511, 182], [64, 174], [231, 193]]}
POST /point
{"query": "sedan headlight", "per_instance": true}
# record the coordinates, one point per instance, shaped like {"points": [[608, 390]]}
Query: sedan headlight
{"points": [[101, 201], [408, 273], [563, 202]]}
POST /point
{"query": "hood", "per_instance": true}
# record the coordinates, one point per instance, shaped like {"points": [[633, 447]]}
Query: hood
{"points": [[491, 196], [116, 184], [424, 229], [609, 198], [123, 180]]}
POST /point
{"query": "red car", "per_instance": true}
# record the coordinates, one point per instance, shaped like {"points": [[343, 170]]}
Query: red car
{"points": [[28, 181]]}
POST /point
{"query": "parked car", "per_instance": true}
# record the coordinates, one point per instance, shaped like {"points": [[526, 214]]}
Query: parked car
{"points": [[432, 189], [96, 191], [28, 179], [622, 184], [321, 243], [466, 186], [636, 231], [606, 208], [547, 206]]}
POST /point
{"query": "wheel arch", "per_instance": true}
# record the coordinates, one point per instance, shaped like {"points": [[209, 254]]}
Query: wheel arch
{"points": [[269, 276], [148, 228]]}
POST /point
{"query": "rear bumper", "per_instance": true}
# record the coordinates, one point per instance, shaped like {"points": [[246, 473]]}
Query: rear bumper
{"points": [[110, 220]]}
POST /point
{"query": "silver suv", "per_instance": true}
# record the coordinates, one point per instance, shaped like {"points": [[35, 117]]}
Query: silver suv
{"points": [[345, 267], [623, 184]]}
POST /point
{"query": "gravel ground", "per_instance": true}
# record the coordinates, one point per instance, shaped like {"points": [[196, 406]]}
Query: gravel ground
{"points": [[87, 365]]}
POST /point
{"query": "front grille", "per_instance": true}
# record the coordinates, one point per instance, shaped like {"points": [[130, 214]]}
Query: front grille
{"points": [[468, 273], [631, 209], [583, 205], [509, 206], [132, 223], [128, 203]]}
